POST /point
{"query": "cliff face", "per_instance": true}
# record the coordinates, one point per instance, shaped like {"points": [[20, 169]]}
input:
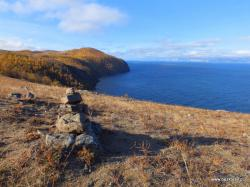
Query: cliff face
{"points": [[78, 68]]}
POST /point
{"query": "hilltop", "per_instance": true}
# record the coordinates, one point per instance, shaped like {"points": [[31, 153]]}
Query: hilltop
{"points": [[78, 68], [145, 144]]}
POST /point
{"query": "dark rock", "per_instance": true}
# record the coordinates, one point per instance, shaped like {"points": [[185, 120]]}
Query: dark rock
{"points": [[15, 95], [74, 98], [30, 95]]}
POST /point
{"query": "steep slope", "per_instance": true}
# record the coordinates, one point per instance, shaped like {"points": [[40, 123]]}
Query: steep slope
{"points": [[102, 63], [79, 68]]}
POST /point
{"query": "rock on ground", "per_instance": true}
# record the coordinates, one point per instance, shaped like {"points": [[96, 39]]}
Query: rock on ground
{"points": [[15, 95], [60, 140], [72, 123], [72, 98], [73, 108]]}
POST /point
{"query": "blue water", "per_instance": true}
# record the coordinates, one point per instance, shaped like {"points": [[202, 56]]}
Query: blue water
{"points": [[217, 86]]}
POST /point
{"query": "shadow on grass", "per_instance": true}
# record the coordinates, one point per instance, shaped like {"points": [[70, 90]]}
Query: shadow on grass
{"points": [[199, 140], [118, 143]]}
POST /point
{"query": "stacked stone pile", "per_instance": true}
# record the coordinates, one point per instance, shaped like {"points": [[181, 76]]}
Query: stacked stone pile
{"points": [[73, 127]]}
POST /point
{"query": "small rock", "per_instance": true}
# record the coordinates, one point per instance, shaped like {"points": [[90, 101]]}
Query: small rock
{"points": [[72, 98], [72, 123], [30, 95], [60, 140], [73, 108], [84, 140], [245, 135], [89, 139], [70, 91], [41, 133], [15, 95], [83, 91]]}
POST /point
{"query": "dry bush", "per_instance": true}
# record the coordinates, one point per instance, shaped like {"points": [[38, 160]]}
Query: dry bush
{"points": [[35, 121], [143, 147], [12, 171], [87, 156], [116, 178], [154, 122], [31, 135], [38, 166], [179, 165], [51, 162], [180, 146]]}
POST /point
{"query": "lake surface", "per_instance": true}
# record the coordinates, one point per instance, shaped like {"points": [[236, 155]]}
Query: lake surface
{"points": [[214, 86]]}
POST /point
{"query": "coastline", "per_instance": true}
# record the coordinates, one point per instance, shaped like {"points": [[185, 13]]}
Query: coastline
{"points": [[208, 86], [53, 92]]}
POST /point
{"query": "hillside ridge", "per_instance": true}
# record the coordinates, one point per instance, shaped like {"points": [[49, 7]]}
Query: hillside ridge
{"points": [[79, 68]]}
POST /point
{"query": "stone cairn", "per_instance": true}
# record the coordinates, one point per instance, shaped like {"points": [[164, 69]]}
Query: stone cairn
{"points": [[73, 127]]}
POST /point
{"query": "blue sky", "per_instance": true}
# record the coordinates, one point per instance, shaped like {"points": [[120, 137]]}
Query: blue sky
{"points": [[131, 29]]}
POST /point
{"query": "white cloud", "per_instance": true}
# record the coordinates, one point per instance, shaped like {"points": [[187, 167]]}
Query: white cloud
{"points": [[72, 15], [173, 50], [245, 53], [89, 17], [16, 44]]}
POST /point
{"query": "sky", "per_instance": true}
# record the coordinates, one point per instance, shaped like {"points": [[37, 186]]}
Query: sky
{"points": [[130, 29]]}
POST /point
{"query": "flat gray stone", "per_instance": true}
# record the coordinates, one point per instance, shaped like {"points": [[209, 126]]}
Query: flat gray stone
{"points": [[84, 140], [60, 140], [72, 123], [88, 139]]}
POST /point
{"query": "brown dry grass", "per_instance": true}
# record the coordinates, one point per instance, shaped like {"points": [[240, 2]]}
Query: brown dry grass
{"points": [[145, 144]]}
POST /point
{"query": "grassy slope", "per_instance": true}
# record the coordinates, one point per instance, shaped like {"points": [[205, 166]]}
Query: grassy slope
{"points": [[146, 144], [79, 68]]}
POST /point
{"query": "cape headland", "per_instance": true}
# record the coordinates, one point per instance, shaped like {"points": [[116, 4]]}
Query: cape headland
{"points": [[79, 68]]}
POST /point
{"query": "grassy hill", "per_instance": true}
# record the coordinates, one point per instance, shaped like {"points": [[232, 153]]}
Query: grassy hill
{"points": [[145, 144], [78, 68]]}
